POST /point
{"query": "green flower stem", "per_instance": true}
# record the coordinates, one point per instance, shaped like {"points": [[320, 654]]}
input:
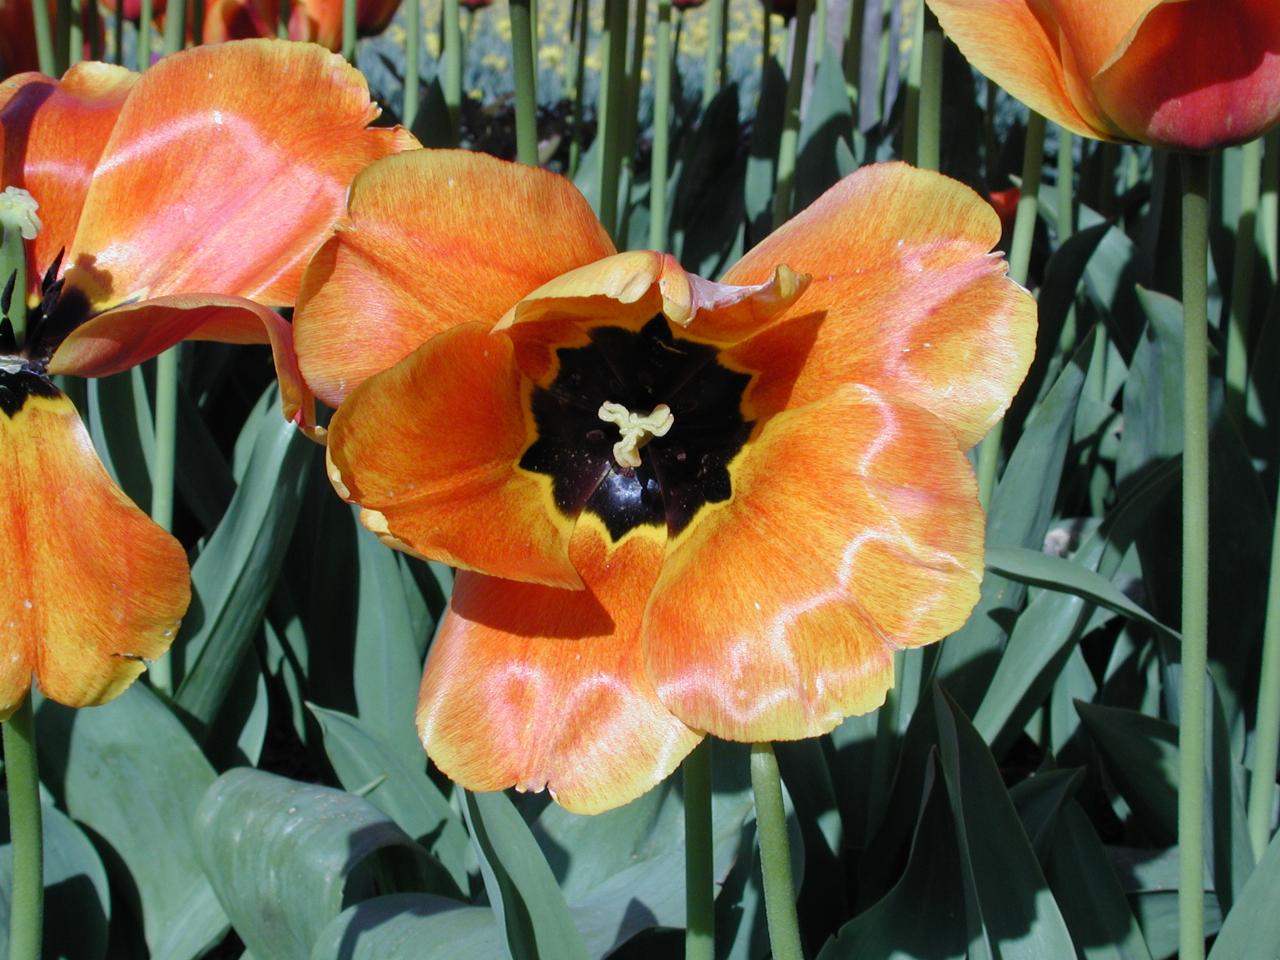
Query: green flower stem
{"points": [[26, 906], [1024, 228], [853, 49], [62, 38], [790, 140], [13, 263], [661, 129], [117, 35], [1067, 220], [349, 30], [1269, 206], [911, 110], [282, 21], [412, 61], [1237, 372], [1195, 553], [162, 475], [175, 26], [75, 30], [578, 85], [197, 21], [94, 19], [775, 855], [928, 142], [699, 873], [711, 79], [44, 39], [1266, 748], [635, 66], [612, 78], [526, 92], [452, 88], [766, 32], [145, 12], [820, 29]]}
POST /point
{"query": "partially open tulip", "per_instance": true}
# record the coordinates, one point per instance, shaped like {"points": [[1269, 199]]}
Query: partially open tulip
{"points": [[1185, 74]]}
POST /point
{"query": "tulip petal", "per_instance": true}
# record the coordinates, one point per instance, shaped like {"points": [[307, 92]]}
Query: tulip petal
{"points": [[320, 21], [534, 687], [53, 133], [279, 130], [430, 450], [128, 335], [90, 588], [905, 298], [1016, 44], [434, 238], [1196, 74], [854, 529]]}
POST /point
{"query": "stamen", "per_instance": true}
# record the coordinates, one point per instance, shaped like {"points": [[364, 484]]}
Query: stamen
{"points": [[637, 429], [18, 210]]}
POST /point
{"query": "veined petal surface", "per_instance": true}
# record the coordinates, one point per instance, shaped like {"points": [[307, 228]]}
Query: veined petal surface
{"points": [[279, 131], [532, 687], [53, 133], [854, 529], [434, 238], [129, 334], [905, 297], [429, 449], [90, 588]]}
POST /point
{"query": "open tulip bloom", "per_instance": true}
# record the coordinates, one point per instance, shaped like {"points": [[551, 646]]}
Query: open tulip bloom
{"points": [[1186, 74], [170, 206], [680, 507]]}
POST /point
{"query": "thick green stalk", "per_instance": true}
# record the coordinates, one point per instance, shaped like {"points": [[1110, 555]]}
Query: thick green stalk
{"points": [[412, 60], [1269, 205], [1067, 219], [790, 140], [94, 19], [579, 85], [911, 110], [162, 476], [117, 35], [853, 49], [44, 39], [661, 129], [1237, 372], [349, 30], [766, 32], [635, 67], [62, 38], [775, 855], [1024, 228], [175, 26], [452, 88], [26, 904], [929, 139], [699, 873], [1195, 553], [13, 263], [197, 22], [146, 12], [711, 78], [819, 30], [1266, 748], [526, 92], [75, 30], [612, 78]]}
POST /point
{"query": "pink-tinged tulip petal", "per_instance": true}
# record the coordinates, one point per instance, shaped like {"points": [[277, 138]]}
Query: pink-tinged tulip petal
{"points": [[90, 588], [533, 687], [276, 132], [129, 334], [430, 450], [868, 515], [53, 133], [905, 297], [433, 238], [320, 21], [1196, 74]]}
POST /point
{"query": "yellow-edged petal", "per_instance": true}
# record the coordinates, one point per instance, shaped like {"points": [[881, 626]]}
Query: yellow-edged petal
{"points": [[854, 529], [533, 687], [90, 588], [905, 297]]}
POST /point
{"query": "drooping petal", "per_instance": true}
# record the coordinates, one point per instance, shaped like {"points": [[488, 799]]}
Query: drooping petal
{"points": [[1196, 74], [128, 335], [277, 131], [534, 687], [53, 133], [430, 450], [90, 588], [1016, 43], [434, 238], [854, 529], [905, 298]]}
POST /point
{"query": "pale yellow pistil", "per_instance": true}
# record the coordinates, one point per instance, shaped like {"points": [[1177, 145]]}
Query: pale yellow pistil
{"points": [[637, 429]]}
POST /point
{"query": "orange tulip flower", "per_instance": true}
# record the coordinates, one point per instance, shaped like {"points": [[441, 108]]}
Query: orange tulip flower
{"points": [[185, 200], [1186, 74], [680, 506]]}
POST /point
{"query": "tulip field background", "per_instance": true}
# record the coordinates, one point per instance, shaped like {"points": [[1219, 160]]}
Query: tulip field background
{"points": [[1017, 796]]}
